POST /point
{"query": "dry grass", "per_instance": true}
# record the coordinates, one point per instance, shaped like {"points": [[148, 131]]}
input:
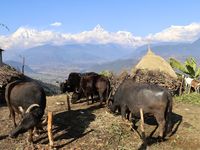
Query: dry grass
{"points": [[154, 62], [92, 127]]}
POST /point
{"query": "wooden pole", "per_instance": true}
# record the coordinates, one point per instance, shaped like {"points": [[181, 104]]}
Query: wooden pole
{"points": [[181, 86], [142, 125], [23, 64], [50, 135], [189, 89]]}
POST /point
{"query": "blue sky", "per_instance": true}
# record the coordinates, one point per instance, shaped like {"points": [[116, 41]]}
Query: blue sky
{"points": [[140, 17]]}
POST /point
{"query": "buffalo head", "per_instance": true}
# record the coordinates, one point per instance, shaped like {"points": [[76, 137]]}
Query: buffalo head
{"points": [[31, 118]]}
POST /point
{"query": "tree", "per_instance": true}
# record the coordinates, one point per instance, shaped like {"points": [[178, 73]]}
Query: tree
{"points": [[106, 73], [189, 67]]}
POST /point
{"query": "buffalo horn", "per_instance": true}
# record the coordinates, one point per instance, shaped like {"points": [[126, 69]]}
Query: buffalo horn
{"points": [[21, 109], [31, 107]]}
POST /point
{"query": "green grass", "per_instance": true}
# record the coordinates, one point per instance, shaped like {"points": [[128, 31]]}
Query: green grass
{"points": [[192, 98]]}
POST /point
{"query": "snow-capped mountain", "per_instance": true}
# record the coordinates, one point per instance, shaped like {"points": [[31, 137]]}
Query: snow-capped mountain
{"points": [[26, 37]]}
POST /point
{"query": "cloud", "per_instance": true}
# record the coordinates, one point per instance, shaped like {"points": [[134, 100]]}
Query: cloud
{"points": [[56, 24], [28, 37], [186, 33]]}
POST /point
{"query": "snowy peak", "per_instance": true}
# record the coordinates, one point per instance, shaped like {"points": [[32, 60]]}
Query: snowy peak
{"points": [[98, 28], [28, 37], [24, 33]]}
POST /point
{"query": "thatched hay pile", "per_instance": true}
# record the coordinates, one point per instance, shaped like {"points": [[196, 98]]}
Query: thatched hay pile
{"points": [[116, 80], [154, 62], [157, 77], [148, 76], [7, 75]]}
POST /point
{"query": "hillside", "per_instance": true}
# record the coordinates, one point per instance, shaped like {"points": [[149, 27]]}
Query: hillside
{"points": [[72, 54], [18, 66], [176, 50], [179, 51], [116, 66], [98, 57], [91, 127]]}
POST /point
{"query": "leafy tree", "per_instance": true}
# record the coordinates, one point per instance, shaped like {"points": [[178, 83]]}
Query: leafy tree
{"points": [[189, 67], [106, 73]]}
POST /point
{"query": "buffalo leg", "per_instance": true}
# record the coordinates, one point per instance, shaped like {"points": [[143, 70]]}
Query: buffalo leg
{"points": [[92, 98], [87, 98], [128, 114], [12, 113], [101, 98], [161, 124], [30, 136], [152, 133], [134, 120], [36, 131], [123, 112], [38, 128]]}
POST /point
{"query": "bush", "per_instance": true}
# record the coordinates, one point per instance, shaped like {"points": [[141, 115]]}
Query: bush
{"points": [[106, 73]]}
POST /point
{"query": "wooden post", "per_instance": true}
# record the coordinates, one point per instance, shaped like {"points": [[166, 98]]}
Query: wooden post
{"points": [[1, 61], [68, 102], [50, 135], [142, 126], [23, 64], [189, 89], [181, 86]]}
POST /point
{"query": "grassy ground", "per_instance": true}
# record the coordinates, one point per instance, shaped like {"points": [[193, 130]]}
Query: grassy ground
{"points": [[193, 98], [90, 127]]}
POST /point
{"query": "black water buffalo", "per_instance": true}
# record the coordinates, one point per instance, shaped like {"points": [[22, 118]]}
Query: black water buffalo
{"points": [[102, 87], [154, 100], [72, 84], [28, 99], [91, 85], [87, 87]]}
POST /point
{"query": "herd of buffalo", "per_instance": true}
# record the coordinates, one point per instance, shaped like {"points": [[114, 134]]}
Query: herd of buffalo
{"points": [[28, 99]]}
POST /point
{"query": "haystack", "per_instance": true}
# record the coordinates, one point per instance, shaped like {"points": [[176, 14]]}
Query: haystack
{"points": [[154, 62], [7, 75]]}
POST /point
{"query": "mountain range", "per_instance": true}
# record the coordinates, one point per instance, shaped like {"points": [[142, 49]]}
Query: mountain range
{"points": [[71, 55], [98, 57], [179, 51]]}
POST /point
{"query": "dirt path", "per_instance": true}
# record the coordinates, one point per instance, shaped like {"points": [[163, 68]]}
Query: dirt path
{"points": [[91, 127]]}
